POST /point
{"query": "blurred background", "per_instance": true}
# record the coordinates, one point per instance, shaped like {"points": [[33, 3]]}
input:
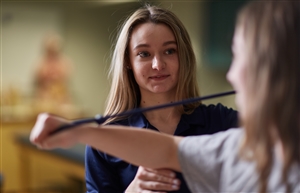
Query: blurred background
{"points": [[76, 39]]}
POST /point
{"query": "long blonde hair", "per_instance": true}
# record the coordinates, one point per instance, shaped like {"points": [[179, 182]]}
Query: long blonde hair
{"points": [[271, 31], [124, 93]]}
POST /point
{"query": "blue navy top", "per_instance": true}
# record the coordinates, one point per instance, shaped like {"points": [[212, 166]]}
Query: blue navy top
{"points": [[108, 174]]}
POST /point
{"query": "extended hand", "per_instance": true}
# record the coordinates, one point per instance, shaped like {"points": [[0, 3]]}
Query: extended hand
{"points": [[45, 125], [151, 180]]}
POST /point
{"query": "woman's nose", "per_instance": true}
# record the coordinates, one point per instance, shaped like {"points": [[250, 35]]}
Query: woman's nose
{"points": [[158, 63]]}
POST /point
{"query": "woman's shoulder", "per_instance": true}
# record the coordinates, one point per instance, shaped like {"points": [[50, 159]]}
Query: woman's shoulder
{"points": [[214, 109], [217, 115]]}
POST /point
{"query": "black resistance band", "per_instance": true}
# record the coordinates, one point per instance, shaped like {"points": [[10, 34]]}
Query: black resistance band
{"points": [[101, 119]]}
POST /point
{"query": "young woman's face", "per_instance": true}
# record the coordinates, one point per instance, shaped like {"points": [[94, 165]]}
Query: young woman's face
{"points": [[236, 74], [154, 58]]}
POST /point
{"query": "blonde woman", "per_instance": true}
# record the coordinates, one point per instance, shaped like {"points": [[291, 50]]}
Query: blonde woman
{"points": [[153, 63]]}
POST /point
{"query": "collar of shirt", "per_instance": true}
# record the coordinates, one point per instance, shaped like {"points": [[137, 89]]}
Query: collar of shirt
{"points": [[185, 123]]}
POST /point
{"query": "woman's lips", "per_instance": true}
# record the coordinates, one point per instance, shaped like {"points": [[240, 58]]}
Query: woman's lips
{"points": [[159, 77]]}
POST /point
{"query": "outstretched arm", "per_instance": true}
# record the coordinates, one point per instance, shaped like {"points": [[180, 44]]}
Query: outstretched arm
{"points": [[137, 146]]}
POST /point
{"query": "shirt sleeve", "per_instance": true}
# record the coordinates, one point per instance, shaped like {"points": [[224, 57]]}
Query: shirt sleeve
{"points": [[201, 158], [100, 175]]}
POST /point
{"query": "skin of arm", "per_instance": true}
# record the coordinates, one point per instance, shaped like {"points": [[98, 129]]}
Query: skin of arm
{"points": [[140, 147], [137, 146]]}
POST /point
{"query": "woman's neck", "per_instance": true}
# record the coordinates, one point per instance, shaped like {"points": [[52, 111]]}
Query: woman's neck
{"points": [[149, 99], [165, 120]]}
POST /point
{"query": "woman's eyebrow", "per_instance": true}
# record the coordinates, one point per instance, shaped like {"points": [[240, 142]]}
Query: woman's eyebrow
{"points": [[170, 42], [147, 45], [140, 46]]}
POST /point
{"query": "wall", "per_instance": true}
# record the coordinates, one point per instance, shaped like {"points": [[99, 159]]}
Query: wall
{"points": [[23, 28]]}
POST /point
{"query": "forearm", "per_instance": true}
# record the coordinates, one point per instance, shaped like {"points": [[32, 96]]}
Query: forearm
{"points": [[137, 146]]}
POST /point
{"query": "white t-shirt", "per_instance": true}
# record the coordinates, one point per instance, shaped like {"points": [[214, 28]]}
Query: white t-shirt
{"points": [[210, 163]]}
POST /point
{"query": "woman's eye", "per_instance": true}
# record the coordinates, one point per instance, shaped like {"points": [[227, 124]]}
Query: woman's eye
{"points": [[143, 54], [170, 51]]}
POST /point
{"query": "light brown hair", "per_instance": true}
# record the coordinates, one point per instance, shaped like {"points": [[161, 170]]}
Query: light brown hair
{"points": [[124, 93], [272, 112]]}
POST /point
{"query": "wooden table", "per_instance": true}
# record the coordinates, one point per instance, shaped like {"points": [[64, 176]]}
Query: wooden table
{"points": [[45, 170]]}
